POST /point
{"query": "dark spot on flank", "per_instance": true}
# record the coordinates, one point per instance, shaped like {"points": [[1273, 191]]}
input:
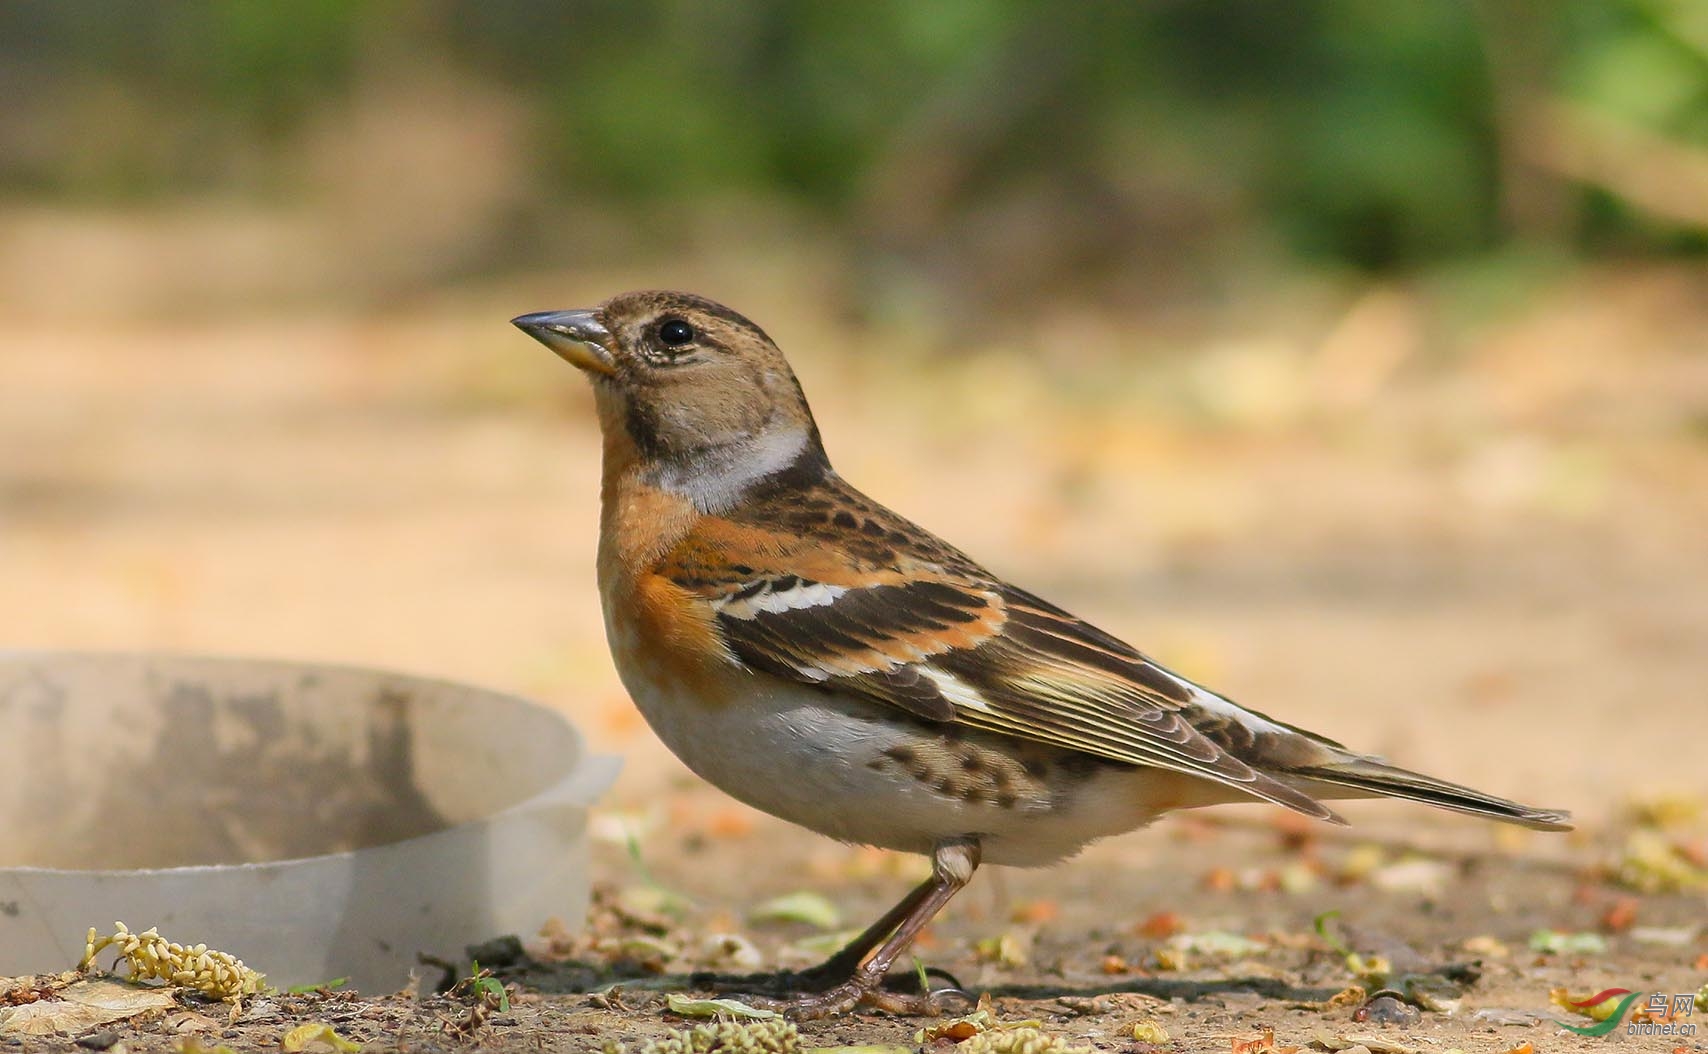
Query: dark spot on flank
{"points": [[873, 527], [900, 537], [972, 792], [949, 787], [971, 762], [1006, 799], [740, 569], [901, 754], [1036, 768], [784, 584], [877, 764], [844, 519]]}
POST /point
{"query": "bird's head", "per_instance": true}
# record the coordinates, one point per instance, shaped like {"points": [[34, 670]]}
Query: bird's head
{"points": [[702, 393]]}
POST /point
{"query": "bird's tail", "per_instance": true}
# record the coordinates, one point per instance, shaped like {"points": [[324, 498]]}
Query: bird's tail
{"points": [[1358, 777]]}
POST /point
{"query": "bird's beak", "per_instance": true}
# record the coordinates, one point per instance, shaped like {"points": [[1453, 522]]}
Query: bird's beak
{"points": [[577, 337]]}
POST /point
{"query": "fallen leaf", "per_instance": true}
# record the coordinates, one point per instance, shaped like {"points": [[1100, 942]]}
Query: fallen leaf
{"points": [[1219, 880], [1161, 926], [1555, 942], [731, 822], [1361, 861], [1036, 912], [1297, 878], [1653, 863], [190, 1021], [1295, 830], [1665, 936], [644, 948], [1489, 947], [733, 949], [1667, 811], [824, 945], [1506, 1016], [82, 1006], [807, 907], [981, 1021], [1417, 875], [194, 1045], [1148, 1031], [1352, 995], [1218, 944], [1370, 1041], [313, 1036], [1620, 916], [1261, 1044], [1005, 951], [652, 907], [687, 1006], [1124, 1003]]}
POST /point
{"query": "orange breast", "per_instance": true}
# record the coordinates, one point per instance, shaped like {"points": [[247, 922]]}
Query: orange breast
{"points": [[661, 635]]}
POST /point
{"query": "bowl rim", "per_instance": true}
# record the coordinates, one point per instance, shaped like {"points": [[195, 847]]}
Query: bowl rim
{"points": [[579, 784]]}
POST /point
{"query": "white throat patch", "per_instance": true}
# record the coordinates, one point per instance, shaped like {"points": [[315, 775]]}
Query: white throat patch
{"points": [[716, 480]]}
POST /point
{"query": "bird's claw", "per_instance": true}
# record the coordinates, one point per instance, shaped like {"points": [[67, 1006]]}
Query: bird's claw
{"points": [[861, 992]]}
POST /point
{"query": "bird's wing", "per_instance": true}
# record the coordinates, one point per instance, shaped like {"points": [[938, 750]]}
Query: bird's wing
{"points": [[864, 602]]}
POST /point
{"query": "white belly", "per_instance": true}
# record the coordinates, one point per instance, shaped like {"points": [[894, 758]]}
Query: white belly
{"points": [[817, 759]]}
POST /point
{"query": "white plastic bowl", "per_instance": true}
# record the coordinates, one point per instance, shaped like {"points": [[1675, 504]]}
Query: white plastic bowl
{"points": [[315, 821]]}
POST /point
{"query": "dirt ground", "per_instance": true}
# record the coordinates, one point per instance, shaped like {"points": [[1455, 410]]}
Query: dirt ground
{"points": [[1204, 929], [1479, 554]]}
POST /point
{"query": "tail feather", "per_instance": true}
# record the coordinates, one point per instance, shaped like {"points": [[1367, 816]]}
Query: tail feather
{"points": [[1367, 777]]}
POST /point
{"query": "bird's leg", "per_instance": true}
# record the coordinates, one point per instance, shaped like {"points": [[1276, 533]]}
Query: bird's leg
{"points": [[952, 866], [841, 966]]}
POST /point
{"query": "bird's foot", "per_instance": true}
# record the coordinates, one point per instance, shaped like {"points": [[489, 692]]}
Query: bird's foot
{"points": [[864, 991]]}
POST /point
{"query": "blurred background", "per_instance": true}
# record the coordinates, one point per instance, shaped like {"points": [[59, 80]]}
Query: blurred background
{"points": [[1352, 357]]}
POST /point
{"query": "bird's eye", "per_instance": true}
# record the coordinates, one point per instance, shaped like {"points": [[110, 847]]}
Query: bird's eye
{"points": [[675, 332]]}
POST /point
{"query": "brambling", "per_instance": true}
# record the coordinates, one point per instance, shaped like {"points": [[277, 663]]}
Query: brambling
{"points": [[819, 657]]}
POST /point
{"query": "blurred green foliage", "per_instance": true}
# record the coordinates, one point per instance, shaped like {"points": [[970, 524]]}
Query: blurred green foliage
{"points": [[1359, 133]]}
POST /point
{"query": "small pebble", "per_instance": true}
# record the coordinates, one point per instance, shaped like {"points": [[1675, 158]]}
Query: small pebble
{"points": [[99, 1040], [1387, 1009]]}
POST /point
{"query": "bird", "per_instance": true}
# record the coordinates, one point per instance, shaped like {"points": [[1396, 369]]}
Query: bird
{"points": [[825, 660]]}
